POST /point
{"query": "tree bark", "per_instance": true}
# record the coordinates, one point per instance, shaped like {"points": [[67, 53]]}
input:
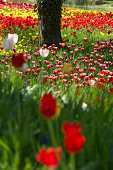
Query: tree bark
{"points": [[49, 22]]}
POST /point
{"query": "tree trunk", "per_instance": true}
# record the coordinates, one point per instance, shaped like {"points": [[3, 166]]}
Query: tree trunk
{"points": [[49, 22]]}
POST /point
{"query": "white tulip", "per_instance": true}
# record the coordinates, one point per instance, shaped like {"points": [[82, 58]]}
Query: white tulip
{"points": [[8, 44], [24, 67], [30, 90], [14, 37], [10, 41], [91, 82], [84, 106], [44, 52]]}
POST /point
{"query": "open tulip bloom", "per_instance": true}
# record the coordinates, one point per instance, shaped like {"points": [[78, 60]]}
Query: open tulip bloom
{"points": [[44, 52], [14, 37], [49, 157], [18, 60], [10, 41]]}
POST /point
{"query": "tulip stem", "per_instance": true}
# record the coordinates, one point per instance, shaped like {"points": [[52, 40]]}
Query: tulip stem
{"points": [[73, 162], [44, 168], [52, 134], [54, 141]]}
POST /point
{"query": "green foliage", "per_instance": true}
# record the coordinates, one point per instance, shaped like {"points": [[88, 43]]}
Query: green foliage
{"points": [[108, 2], [70, 2], [98, 2], [82, 2], [23, 130]]}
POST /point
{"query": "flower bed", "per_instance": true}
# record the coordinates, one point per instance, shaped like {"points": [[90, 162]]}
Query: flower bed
{"points": [[50, 94]]}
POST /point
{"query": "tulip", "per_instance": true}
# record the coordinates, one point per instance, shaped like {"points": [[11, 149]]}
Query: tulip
{"points": [[73, 140], [10, 41], [49, 157], [44, 52], [48, 106], [14, 37], [18, 61], [85, 39], [8, 44]]}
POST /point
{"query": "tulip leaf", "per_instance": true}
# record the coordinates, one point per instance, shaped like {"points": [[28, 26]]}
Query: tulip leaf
{"points": [[90, 166]]}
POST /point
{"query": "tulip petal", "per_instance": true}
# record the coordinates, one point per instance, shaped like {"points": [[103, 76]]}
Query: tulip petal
{"points": [[14, 37]]}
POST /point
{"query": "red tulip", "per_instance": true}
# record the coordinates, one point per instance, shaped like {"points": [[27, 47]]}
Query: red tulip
{"points": [[48, 106], [85, 39], [73, 140], [49, 157], [18, 60], [76, 50]]}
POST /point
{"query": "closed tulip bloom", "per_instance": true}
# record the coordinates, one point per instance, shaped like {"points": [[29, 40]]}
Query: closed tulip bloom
{"points": [[73, 140], [48, 106]]}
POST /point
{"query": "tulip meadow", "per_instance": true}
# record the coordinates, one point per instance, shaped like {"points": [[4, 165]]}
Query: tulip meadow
{"points": [[56, 103]]}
